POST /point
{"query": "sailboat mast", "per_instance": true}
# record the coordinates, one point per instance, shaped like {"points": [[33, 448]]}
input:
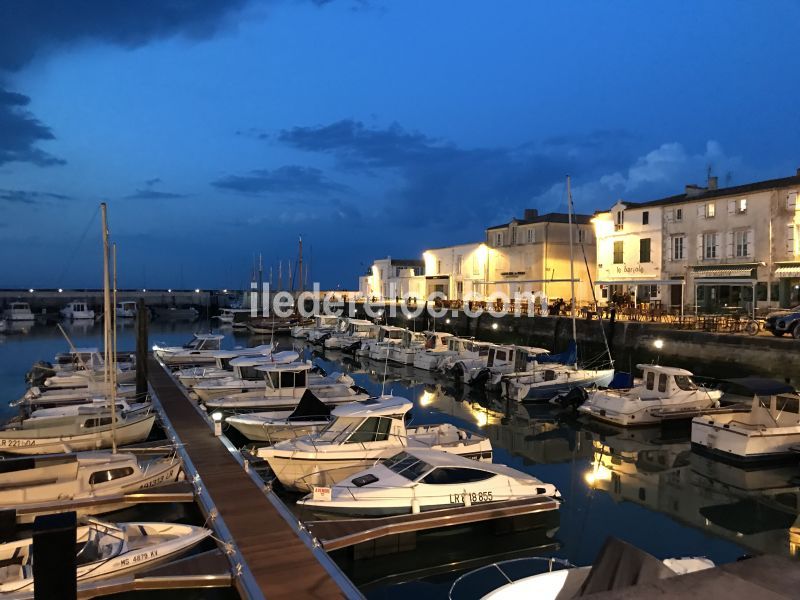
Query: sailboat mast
{"points": [[571, 268], [114, 356], [300, 263], [107, 310]]}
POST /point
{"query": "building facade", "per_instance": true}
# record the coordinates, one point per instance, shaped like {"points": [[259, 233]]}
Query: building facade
{"points": [[389, 278], [457, 272], [709, 249]]}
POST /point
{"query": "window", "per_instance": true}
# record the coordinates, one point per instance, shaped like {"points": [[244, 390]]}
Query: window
{"points": [[662, 383], [91, 423], [618, 253], [581, 236], [513, 235], [459, 260], [790, 241], [644, 250], [711, 210], [685, 383], [498, 239], [678, 244], [710, 245], [651, 377], [476, 265], [645, 217], [406, 465], [373, 429], [109, 475], [455, 475], [620, 220], [741, 206], [679, 214], [791, 201], [438, 267], [741, 243], [531, 235]]}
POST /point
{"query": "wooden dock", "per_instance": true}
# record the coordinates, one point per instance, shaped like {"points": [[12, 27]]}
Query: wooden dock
{"points": [[340, 533], [269, 555]]}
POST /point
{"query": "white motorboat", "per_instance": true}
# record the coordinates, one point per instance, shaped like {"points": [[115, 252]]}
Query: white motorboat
{"points": [[543, 382], [322, 324], [666, 393], [767, 432], [357, 332], [378, 348], [461, 356], [81, 366], [191, 376], [198, 350], [619, 565], [125, 309], [34, 486], [104, 550], [97, 404], [38, 398], [18, 311], [88, 430], [245, 377], [359, 434], [77, 310], [428, 356], [309, 417], [500, 360], [284, 385], [416, 480], [225, 316]]}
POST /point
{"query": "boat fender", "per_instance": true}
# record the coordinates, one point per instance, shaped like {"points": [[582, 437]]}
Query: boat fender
{"points": [[415, 506]]}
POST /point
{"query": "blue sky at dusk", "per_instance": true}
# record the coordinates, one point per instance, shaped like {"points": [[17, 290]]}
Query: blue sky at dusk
{"points": [[219, 129]]}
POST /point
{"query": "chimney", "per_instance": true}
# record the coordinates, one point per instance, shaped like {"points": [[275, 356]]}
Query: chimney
{"points": [[798, 173], [712, 182], [692, 190], [531, 213]]}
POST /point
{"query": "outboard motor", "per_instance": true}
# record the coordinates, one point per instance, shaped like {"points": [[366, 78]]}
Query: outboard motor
{"points": [[457, 372], [481, 377], [39, 372], [572, 399], [352, 347]]}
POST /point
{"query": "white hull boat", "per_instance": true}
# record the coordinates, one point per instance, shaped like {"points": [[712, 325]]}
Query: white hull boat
{"points": [[104, 550], [125, 310], [191, 376], [415, 480], [37, 398], [358, 331], [548, 381], [77, 310], [40, 485], [18, 311], [123, 407], [666, 393], [200, 349], [309, 417], [360, 434]]}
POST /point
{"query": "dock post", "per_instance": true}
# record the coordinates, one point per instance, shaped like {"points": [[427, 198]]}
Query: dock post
{"points": [[142, 317], [54, 558]]}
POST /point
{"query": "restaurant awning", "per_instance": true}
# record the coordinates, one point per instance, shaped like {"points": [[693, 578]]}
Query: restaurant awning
{"points": [[724, 272], [641, 282], [788, 270]]}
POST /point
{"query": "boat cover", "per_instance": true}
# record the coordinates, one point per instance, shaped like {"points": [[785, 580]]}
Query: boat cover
{"points": [[309, 406], [620, 565], [568, 357], [760, 386], [621, 381]]}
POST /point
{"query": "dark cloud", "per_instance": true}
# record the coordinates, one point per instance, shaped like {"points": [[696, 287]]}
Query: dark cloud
{"points": [[441, 182], [20, 132], [152, 182], [29, 197], [150, 194], [289, 179]]}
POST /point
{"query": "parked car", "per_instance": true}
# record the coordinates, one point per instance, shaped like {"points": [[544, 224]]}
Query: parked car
{"points": [[784, 321]]}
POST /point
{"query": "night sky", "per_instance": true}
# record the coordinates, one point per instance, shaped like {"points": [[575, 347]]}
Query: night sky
{"points": [[219, 129]]}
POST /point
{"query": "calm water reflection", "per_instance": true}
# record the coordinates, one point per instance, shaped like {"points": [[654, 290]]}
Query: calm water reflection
{"points": [[645, 486]]}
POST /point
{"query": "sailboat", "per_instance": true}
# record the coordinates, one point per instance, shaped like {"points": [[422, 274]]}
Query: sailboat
{"points": [[545, 383]]}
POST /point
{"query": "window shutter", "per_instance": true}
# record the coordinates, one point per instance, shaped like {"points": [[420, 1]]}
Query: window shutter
{"points": [[716, 246], [669, 215], [671, 248], [699, 246], [730, 250], [751, 242], [701, 211], [791, 201], [790, 240], [731, 207]]}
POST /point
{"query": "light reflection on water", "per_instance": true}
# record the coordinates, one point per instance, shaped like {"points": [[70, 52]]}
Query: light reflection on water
{"points": [[645, 485]]}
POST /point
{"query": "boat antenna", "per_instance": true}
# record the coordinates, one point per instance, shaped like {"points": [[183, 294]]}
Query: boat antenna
{"points": [[107, 311], [571, 269]]}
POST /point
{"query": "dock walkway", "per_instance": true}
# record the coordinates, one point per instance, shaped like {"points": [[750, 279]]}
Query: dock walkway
{"points": [[280, 562]]}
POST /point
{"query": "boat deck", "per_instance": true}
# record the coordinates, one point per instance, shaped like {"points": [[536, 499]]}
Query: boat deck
{"points": [[275, 557], [340, 533]]}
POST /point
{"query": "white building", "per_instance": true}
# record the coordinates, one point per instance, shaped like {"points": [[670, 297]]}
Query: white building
{"points": [[389, 278], [458, 272]]}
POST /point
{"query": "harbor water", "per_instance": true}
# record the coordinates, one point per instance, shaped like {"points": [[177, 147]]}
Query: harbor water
{"points": [[645, 486]]}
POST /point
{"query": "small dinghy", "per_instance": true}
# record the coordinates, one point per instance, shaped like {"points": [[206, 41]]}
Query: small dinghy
{"points": [[104, 550], [421, 480], [310, 417], [36, 485]]}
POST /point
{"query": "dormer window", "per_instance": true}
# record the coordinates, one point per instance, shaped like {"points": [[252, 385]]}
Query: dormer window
{"points": [[620, 220], [498, 239]]}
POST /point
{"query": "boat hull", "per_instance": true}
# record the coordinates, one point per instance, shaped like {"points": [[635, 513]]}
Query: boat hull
{"points": [[742, 445]]}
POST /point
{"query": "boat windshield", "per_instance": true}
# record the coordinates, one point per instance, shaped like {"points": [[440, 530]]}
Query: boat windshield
{"points": [[407, 465], [338, 429], [193, 344], [685, 382]]}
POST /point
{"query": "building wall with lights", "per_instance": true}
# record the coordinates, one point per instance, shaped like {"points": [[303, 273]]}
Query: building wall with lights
{"points": [[458, 272], [389, 278]]}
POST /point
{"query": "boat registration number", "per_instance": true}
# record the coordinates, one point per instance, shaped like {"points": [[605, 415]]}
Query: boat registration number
{"points": [[322, 493], [17, 443], [473, 497]]}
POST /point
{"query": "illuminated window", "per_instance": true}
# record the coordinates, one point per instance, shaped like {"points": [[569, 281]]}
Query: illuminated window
{"points": [[619, 253], [711, 210]]}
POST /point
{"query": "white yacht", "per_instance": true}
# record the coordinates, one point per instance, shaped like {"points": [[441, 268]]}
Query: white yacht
{"points": [[18, 311], [322, 324], [87, 430], [198, 350], [191, 376], [359, 434], [461, 356], [325, 327], [284, 385], [769, 431], [666, 393], [358, 331], [103, 550], [125, 309], [429, 354], [417, 480], [378, 348], [543, 382], [226, 316], [245, 376], [500, 360], [34, 486], [76, 310], [618, 566], [309, 417]]}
